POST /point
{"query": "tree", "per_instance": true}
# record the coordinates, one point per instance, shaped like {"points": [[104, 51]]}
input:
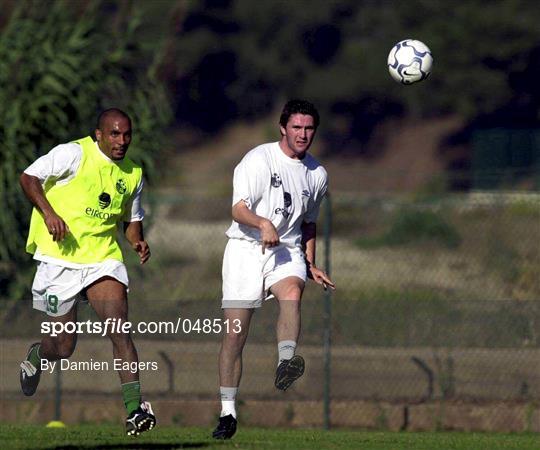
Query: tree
{"points": [[239, 58]]}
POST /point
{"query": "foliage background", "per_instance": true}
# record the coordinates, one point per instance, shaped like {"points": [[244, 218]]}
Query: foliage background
{"points": [[335, 53]]}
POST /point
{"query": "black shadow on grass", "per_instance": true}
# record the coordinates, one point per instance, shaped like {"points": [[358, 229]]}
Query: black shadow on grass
{"points": [[132, 445]]}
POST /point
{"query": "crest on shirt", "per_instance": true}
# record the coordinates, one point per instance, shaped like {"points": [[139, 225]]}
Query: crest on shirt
{"points": [[104, 200], [121, 186], [275, 181]]}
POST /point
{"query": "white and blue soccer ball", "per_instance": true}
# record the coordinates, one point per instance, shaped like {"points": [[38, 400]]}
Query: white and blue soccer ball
{"points": [[410, 61]]}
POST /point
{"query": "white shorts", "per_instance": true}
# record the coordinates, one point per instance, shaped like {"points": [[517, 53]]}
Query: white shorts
{"points": [[248, 274], [56, 288]]}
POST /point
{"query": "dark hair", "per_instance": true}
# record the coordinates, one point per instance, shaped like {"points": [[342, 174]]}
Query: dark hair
{"points": [[297, 106], [109, 113]]}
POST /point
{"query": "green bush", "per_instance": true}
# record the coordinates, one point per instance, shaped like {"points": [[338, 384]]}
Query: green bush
{"points": [[412, 226]]}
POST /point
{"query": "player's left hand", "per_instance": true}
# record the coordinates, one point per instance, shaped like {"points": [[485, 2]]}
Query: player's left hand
{"points": [[320, 277], [143, 250]]}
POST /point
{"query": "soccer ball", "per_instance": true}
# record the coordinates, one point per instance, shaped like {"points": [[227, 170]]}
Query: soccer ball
{"points": [[409, 61]]}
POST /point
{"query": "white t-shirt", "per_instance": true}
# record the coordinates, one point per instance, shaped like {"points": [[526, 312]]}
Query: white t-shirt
{"points": [[60, 166], [284, 190]]}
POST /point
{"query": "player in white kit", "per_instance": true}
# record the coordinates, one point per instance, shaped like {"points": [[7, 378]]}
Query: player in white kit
{"points": [[278, 188]]}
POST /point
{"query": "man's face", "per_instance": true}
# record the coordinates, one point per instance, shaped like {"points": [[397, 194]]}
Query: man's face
{"points": [[298, 135], [114, 137]]}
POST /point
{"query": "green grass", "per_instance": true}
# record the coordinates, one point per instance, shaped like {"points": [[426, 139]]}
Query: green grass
{"points": [[108, 436]]}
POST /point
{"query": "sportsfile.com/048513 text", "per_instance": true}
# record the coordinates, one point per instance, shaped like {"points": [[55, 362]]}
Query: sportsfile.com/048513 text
{"points": [[180, 326]]}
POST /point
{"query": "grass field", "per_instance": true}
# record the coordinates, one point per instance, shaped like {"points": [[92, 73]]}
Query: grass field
{"points": [[110, 437]]}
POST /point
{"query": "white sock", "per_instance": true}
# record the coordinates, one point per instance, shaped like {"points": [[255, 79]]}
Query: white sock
{"points": [[285, 350], [228, 401]]}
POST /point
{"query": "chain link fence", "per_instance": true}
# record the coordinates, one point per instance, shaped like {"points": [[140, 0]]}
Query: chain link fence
{"points": [[435, 323]]}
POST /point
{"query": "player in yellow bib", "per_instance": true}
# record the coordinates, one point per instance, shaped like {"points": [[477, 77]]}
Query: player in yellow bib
{"points": [[81, 192]]}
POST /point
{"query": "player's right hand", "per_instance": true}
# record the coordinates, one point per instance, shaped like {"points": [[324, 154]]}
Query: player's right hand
{"points": [[320, 277], [142, 249], [56, 226], [269, 235]]}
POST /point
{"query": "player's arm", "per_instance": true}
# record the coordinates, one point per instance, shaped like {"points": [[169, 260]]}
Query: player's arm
{"points": [[243, 215], [33, 190], [309, 240], [61, 163], [133, 226], [135, 236]]}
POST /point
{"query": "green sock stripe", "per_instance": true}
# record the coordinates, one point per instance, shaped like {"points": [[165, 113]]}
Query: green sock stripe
{"points": [[131, 393], [34, 357]]}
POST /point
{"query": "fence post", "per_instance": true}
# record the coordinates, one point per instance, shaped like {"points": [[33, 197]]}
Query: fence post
{"points": [[58, 393], [327, 316]]}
